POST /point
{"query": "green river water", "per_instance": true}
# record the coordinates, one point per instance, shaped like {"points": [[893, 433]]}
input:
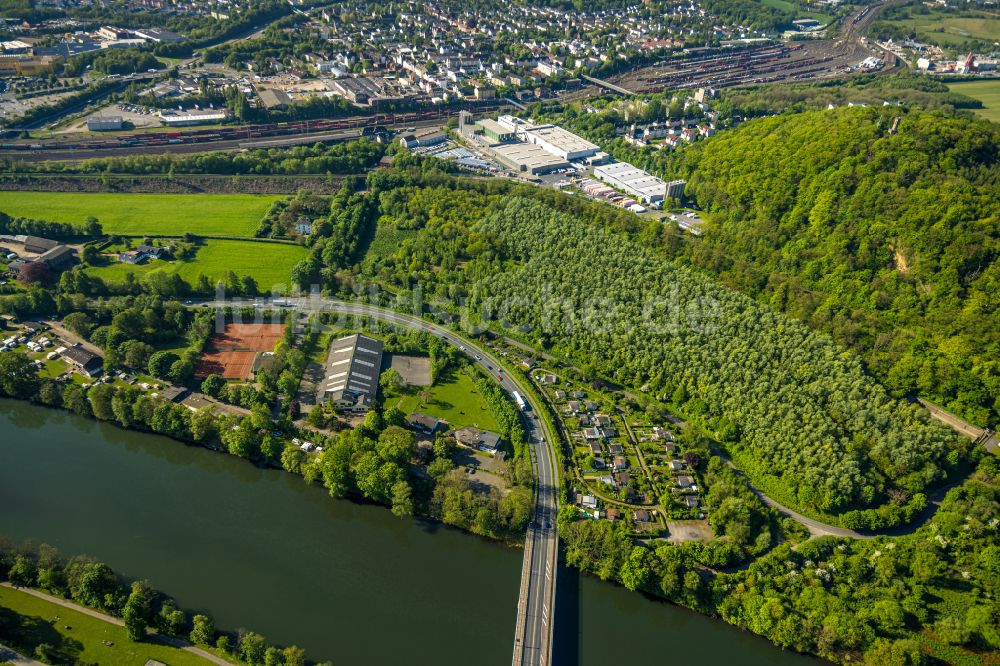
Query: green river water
{"points": [[348, 582]]}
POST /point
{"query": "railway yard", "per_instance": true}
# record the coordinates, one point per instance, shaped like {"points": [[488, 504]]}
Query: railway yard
{"points": [[811, 60]]}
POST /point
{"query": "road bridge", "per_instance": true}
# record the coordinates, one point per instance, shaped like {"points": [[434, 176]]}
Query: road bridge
{"points": [[607, 84]]}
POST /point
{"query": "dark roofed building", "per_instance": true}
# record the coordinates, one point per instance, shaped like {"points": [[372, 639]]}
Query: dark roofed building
{"points": [[58, 257], [38, 245], [352, 372], [483, 440], [87, 363], [424, 423], [174, 393]]}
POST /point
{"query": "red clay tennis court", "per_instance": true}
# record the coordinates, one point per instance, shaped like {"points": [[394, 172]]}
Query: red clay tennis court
{"points": [[231, 352]]}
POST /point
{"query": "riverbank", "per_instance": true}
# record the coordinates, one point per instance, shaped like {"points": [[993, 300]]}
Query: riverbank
{"points": [[34, 619]]}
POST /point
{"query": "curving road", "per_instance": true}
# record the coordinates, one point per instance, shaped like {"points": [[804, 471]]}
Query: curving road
{"points": [[536, 599]]}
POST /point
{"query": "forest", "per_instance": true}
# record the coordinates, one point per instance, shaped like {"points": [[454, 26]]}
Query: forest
{"points": [[888, 242], [801, 415]]}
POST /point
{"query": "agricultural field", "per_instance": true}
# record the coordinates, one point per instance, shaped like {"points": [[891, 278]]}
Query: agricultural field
{"points": [[269, 264], [145, 214], [27, 622], [455, 399], [947, 29], [986, 91]]}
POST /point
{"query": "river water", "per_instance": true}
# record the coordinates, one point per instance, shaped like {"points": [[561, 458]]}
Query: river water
{"points": [[348, 582]]}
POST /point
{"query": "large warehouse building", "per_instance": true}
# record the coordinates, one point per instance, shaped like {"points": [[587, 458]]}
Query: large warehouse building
{"points": [[632, 180], [527, 158], [352, 373], [560, 142]]}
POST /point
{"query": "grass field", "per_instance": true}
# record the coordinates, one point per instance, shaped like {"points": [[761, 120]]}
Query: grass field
{"points": [[454, 399], [25, 623], [145, 214], [268, 263], [988, 92], [948, 29]]}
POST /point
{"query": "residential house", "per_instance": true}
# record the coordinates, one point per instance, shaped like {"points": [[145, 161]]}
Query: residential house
{"points": [[684, 482], [428, 425], [484, 440], [641, 516]]}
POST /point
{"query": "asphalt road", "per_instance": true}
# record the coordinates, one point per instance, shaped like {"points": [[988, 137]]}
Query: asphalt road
{"points": [[536, 600]]}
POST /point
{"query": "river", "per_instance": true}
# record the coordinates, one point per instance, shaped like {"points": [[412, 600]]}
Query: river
{"points": [[348, 582]]}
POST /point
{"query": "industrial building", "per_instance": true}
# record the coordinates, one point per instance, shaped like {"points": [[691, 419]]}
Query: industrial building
{"points": [[675, 189], [198, 118], [559, 142], [104, 123], [274, 99], [527, 158], [352, 373], [496, 132], [632, 180]]}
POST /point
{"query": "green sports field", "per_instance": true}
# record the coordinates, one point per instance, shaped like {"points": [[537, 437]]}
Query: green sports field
{"points": [[988, 92], [268, 263], [145, 214]]}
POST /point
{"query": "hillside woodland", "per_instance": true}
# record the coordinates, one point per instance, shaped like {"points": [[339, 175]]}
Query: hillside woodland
{"points": [[886, 242]]}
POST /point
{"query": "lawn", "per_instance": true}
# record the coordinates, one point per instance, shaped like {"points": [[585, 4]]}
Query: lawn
{"points": [[26, 622], [988, 92], [454, 399], [270, 264], [146, 214]]}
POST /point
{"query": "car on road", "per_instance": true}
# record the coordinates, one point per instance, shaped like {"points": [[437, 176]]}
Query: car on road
{"points": [[461, 347], [478, 357]]}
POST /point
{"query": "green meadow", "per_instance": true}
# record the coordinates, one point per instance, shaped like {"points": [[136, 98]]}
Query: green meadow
{"points": [[986, 91], [268, 263], [455, 399], [27, 622], [145, 214]]}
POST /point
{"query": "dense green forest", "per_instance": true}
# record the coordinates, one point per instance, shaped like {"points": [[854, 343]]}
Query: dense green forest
{"points": [[803, 410], [887, 242], [804, 418]]}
